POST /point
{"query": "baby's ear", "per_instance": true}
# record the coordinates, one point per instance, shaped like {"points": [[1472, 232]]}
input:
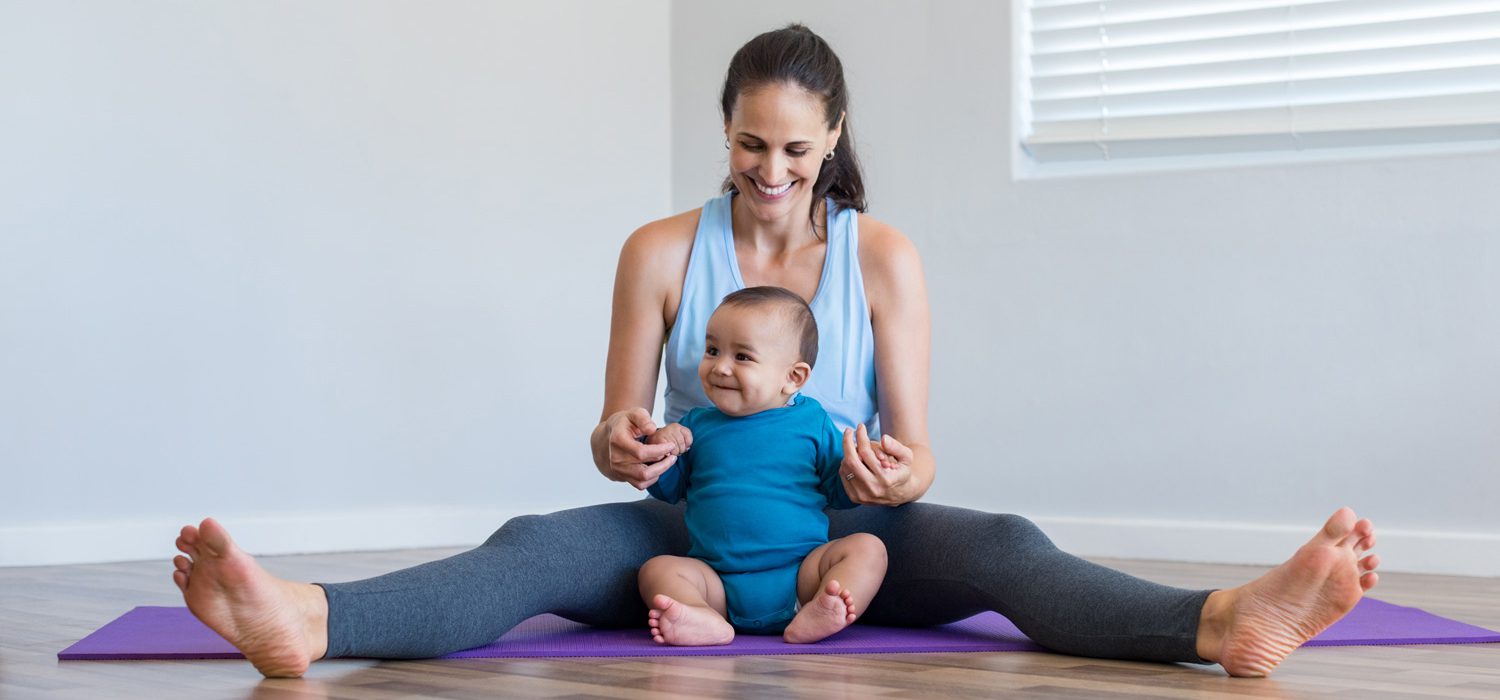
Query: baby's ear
{"points": [[796, 377]]}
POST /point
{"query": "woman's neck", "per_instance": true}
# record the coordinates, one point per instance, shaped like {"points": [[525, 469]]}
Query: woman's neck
{"points": [[775, 238]]}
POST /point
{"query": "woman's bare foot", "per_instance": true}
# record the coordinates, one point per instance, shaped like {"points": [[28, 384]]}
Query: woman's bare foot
{"points": [[1249, 630], [823, 616], [280, 626], [679, 624]]}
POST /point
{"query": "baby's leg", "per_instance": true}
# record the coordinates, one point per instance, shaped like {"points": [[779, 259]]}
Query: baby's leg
{"points": [[687, 602], [836, 582]]}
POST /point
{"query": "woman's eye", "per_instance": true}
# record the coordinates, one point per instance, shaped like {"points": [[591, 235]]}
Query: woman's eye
{"points": [[753, 148], [796, 154]]}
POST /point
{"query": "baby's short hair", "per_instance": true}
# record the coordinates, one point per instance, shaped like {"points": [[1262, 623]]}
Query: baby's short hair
{"points": [[796, 312]]}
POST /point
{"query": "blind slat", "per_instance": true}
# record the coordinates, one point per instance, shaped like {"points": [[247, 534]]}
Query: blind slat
{"points": [[1443, 110], [1361, 88], [1260, 143], [1083, 14], [1304, 67], [1273, 45], [1293, 17]]}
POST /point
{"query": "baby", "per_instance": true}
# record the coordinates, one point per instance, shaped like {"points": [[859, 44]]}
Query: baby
{"points": [[757, 470]]}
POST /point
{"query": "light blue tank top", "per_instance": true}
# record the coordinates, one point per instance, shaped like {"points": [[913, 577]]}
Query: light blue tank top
{"points": [[843, 378]]}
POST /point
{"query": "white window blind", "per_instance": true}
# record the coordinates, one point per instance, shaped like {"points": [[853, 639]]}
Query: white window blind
{"points": [[1122, 79]]}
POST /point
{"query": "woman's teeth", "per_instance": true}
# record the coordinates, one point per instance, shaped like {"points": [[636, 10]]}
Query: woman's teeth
{"points": [[774, 191]]}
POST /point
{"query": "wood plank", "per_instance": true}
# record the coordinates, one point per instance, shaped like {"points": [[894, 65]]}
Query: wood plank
{"points": [[43, 609]]}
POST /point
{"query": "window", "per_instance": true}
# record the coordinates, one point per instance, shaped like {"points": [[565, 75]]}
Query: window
{"points": [[1125, 80]]}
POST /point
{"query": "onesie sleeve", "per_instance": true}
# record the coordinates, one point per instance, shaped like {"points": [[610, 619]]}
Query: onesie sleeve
{"points": [[830, 464], [672, 485]]}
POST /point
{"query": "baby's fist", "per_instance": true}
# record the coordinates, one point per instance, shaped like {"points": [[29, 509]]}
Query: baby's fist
{"points": [[677, 435]]}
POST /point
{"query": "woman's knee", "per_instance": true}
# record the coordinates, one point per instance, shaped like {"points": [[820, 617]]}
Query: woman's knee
{"points": [[1014, 531], [518, 530], [645, 525], [954, 535], [1013, 525]]}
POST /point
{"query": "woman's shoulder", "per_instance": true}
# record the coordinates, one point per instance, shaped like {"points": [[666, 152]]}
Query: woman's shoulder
{"points": [[884, 252], [663, 240]]}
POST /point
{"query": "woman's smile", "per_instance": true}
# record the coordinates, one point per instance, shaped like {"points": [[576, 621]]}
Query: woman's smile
{"points": [[773, 193]]}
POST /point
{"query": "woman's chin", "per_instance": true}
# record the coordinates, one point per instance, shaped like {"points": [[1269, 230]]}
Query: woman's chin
{"points": [[776, 209]]}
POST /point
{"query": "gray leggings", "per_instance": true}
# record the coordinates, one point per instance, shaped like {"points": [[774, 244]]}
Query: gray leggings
{"points": [[945, 564]]}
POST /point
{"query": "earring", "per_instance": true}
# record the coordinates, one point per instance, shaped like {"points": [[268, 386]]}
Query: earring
{"points": [[726, 144], [828, 155]]}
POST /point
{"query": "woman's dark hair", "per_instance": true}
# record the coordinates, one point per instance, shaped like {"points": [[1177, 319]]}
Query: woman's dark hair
{"points": [[797, 56]]}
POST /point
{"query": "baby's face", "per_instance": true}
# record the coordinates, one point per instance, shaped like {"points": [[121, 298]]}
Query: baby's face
{"points": [[749, 360]]}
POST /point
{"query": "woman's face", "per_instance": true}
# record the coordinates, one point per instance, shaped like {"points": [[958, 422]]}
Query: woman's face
{"points": [[777, 139]]}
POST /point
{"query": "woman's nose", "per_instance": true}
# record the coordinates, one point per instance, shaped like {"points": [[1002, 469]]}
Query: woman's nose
{"points": [[772, 169]]}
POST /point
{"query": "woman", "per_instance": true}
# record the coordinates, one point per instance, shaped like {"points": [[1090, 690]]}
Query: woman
{"points": [[789, 218]]}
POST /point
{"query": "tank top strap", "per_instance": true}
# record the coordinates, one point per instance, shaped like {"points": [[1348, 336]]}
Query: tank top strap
{"points": [[843, 379], [712, 274]]}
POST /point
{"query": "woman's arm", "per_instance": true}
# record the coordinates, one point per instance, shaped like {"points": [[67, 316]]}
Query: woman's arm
{"points": [[648, 279], [897, 294]]}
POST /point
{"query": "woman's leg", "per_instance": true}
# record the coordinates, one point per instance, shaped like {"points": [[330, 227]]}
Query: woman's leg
{"points": [[948, 563], [579, 563]]}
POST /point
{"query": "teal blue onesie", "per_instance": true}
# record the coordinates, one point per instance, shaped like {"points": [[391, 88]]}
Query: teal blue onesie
{"points": [[756, 487]]}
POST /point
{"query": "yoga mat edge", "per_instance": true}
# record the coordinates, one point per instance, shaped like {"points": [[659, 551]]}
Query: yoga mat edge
{"points": [[154, 632]]}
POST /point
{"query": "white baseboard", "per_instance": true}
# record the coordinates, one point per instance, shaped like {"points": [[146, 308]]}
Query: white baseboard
{"points": [[1411, 551], [284, 533], [1430, 552]]}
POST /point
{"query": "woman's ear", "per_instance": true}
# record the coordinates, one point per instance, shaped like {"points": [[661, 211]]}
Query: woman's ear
{"points": [[833, 136], [796, 377]]}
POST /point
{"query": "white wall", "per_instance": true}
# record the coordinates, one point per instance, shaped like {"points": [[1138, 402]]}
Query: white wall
{"points": [[1196, 365], [337, 273]]}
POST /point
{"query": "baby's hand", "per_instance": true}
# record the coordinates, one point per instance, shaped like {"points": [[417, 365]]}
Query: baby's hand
{"points": [[875, 472], [679, 436], [887, 461]]}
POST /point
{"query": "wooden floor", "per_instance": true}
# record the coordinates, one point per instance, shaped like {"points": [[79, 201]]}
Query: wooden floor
{"points": [[44, 609]]}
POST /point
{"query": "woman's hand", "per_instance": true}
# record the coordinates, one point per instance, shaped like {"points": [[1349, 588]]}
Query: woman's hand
{"points": [[875, 474], [623, 457]]}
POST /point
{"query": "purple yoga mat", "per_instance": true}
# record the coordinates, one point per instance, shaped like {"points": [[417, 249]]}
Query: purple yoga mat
{"points": [[173, 633]]}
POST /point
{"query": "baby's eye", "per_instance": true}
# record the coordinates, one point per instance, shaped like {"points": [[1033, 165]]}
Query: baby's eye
{"points": [[742, 357], [711, 351]]}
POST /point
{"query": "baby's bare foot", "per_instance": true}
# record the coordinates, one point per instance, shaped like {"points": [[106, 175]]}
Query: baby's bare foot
{"points": [[823, 616], [1261, 622], [683, 625], [280, 626]]}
